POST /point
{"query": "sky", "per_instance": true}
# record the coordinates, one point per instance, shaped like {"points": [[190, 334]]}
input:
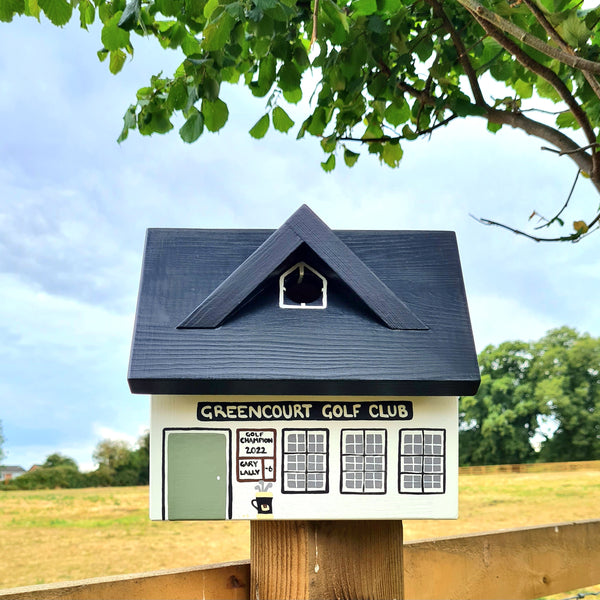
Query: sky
{"points": [[75, 205]]}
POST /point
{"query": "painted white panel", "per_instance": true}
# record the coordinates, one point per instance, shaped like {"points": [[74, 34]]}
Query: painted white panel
{"points": [[299, 457]]}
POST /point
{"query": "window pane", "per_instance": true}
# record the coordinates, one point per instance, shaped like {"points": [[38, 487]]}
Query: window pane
{"points": [[352, 463], [295, 462], [316, 462], [316, 481], [353, 481], [433, 464], [374, 481], [432, 482], [295, 482], [374, 463], [411, 483]]}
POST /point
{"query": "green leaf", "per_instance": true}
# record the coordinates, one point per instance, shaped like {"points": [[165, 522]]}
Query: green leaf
{"points": [[293, 96], [329, 143], [117, 60], [32, 9], [216, 34], [215, 114], [350, 157], [9, 7], [260, 127], [523, 88], [112, 36], [190, 45], [87, 13], [267, 71], [178, 95], [58, 11], [408, 133], [131, 15], [392, 154], [192, 129], [364, 7], [129, 122], [463, 107], [574, 31], [289, 77], [397, 112], [567, 120], [329, 164], [209, 8], [546, 90], [336, 15], [281, 120], [494, 127]]}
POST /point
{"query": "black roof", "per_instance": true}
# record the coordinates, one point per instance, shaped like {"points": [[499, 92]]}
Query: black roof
{"points": [[208, 319]]}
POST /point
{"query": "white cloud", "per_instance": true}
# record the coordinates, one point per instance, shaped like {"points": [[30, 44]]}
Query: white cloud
{"points": [[496, 319]]}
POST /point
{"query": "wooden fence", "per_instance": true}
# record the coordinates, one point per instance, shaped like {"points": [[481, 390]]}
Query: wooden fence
{"points": [[517, 564], [583, 465]]}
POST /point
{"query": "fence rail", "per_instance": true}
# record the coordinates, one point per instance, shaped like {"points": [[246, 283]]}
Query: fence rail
{"points": [[521, 564], [582, 465]]}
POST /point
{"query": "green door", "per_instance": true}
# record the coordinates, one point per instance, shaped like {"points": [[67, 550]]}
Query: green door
{"points": [[197, 475]]}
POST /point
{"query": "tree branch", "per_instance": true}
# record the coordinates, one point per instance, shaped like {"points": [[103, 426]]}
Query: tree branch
{"points": [[389, 138], [574, 237], [550, 76], [461, 51], [554, 35], [477, 10], [556, 217], [545, 132]]}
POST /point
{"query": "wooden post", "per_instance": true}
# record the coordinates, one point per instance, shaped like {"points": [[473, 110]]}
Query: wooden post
{"points": [[326, 559]]}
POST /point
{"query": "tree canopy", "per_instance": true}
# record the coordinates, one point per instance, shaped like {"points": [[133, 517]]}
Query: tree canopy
{"points": [[1, 444], [547, 390], [386, 71]]}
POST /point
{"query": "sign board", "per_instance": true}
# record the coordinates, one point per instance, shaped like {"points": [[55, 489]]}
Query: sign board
{"points": [[253, 457]]}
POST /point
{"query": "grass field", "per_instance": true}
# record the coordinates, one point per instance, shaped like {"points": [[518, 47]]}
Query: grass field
{"points": [[48, 536]]}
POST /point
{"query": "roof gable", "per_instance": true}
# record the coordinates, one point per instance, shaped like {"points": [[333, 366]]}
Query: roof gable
{"points": [[303, 227]]}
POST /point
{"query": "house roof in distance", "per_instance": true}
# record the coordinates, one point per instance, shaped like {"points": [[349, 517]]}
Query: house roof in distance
{"points": [[208, 319]]}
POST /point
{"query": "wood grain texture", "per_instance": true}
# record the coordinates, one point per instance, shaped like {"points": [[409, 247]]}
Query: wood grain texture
{"points": [[302, 227], [326, 559], [529, 562], [524, 563], [262, 349]]}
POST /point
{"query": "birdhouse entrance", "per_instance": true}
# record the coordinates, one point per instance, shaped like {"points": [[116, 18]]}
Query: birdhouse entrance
{"points": [[301, 286]]}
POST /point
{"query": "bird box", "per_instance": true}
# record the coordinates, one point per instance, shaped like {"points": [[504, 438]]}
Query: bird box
{"points": [[302, 373]]}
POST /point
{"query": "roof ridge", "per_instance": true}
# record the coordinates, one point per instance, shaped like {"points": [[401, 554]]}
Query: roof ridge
{"points": [[304, 226]]}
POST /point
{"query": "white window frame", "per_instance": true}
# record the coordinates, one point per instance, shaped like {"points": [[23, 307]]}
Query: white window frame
{"points": [[297, 466], [302, 265], [422, 462], [355, 462]]}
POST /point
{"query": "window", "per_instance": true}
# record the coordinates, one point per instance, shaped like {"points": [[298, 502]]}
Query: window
{"points": [[302, 287], [305, 461], [363, 461], [422, 461]]}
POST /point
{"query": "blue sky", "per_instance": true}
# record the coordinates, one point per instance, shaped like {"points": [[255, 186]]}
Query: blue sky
{"points": [[74, 207]]}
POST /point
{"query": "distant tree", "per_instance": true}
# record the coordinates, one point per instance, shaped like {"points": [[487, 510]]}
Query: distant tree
{"points": [[59, 460], [111, 453], [556, 379], [49, 478], [1, 444], [141, 459], [567, 376], [119, 464], [496, 425]]}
